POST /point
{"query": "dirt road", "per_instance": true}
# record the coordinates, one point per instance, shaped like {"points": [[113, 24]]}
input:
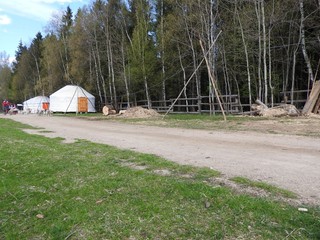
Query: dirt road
{"points": [[290, 162]]}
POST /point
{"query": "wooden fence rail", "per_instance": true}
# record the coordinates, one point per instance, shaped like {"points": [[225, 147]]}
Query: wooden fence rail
{"points": [[202, 104], [206, 104]]}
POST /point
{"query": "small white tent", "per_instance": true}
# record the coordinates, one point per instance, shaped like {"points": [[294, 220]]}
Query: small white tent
{"points": [[72, 98], [36, 104]]}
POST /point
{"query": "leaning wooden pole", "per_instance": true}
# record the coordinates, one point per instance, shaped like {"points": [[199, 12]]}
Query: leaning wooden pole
{"points": [[172, 105], [183, 88], [213, 82]]}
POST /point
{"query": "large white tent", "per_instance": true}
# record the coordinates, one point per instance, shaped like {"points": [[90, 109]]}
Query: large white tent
{"points": [[72, 98], [36, 104]]}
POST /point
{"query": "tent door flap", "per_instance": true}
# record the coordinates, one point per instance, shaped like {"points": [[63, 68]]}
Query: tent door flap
{"points": [[82, 104]]}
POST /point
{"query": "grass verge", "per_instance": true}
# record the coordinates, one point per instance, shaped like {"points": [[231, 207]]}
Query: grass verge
{"points": [[267, 187], [83, 190]]}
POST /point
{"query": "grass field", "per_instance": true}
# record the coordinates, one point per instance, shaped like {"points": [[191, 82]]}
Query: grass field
{"points": [[53, 190]]}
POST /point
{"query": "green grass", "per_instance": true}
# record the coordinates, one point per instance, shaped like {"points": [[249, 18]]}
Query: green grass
{"points": [[93, 191]]}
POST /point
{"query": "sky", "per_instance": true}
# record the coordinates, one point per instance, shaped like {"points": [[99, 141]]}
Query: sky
{"points": [[23, 19]]}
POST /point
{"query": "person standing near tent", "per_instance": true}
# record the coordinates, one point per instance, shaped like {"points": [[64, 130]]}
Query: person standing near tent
{"points": [[5, 106]]}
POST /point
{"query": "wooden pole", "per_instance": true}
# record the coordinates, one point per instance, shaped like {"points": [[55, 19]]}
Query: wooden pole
{"points": [[213, 82], [192, 75], [312, 99]]}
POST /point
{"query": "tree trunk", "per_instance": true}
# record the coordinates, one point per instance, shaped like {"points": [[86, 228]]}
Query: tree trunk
{"points": [[294, 63], [270, 72], [97, 75], [258, 13], [163, 69], [147, 92], [288, 63], [247, 59], [115, 101], [98, 65], [303, 42], [194, 58], [124, 71], [184, 79], [269, 55], [265, 70]]}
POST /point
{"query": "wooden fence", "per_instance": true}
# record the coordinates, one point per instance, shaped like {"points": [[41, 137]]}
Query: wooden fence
{"points": [[205, 104], [299, 97]]}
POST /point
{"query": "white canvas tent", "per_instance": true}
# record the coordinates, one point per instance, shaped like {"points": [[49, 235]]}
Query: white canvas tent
{"points": [[36, 104], [72, 98]]}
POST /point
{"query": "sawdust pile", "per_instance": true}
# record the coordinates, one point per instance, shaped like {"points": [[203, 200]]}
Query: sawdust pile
{"points": [[139, 112]]}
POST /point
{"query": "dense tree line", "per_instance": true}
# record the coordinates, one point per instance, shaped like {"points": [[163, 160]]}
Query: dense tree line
{"points": [[148, 50]]}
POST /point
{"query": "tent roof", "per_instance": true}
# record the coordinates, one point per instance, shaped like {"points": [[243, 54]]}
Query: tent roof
{"points": [[72, 90], [37, 99]]}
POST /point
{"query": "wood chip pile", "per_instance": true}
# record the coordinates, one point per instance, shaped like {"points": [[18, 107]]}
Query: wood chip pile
{"points": [[139, 112]]}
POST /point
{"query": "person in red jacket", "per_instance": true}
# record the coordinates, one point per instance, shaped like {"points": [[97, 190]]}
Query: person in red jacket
{"points": [[5, 106]]}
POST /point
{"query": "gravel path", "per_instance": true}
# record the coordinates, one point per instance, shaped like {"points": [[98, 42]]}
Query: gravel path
{"points": [[290, 162]]}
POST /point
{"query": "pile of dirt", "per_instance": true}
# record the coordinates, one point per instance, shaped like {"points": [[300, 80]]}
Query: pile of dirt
{"points": [[139, 112]]}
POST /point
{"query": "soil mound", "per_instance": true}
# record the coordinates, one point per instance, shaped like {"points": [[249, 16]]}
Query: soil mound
{"points": [[139, 112]]}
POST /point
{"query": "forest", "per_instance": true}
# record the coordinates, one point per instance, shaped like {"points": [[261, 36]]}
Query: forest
{"points": [[154, 50]]}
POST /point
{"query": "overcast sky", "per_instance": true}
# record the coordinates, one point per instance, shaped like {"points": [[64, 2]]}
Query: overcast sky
{"points": [[23, 19]]}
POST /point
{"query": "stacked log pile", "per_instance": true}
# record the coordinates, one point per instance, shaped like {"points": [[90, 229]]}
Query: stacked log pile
{"points": [[313, 103]]}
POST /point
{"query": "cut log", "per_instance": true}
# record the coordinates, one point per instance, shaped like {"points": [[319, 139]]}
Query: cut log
{"points": [[261, 104], [257, 108], [312, 99], [290, 109], [107, 110], [316, 109], [122, 112]]}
